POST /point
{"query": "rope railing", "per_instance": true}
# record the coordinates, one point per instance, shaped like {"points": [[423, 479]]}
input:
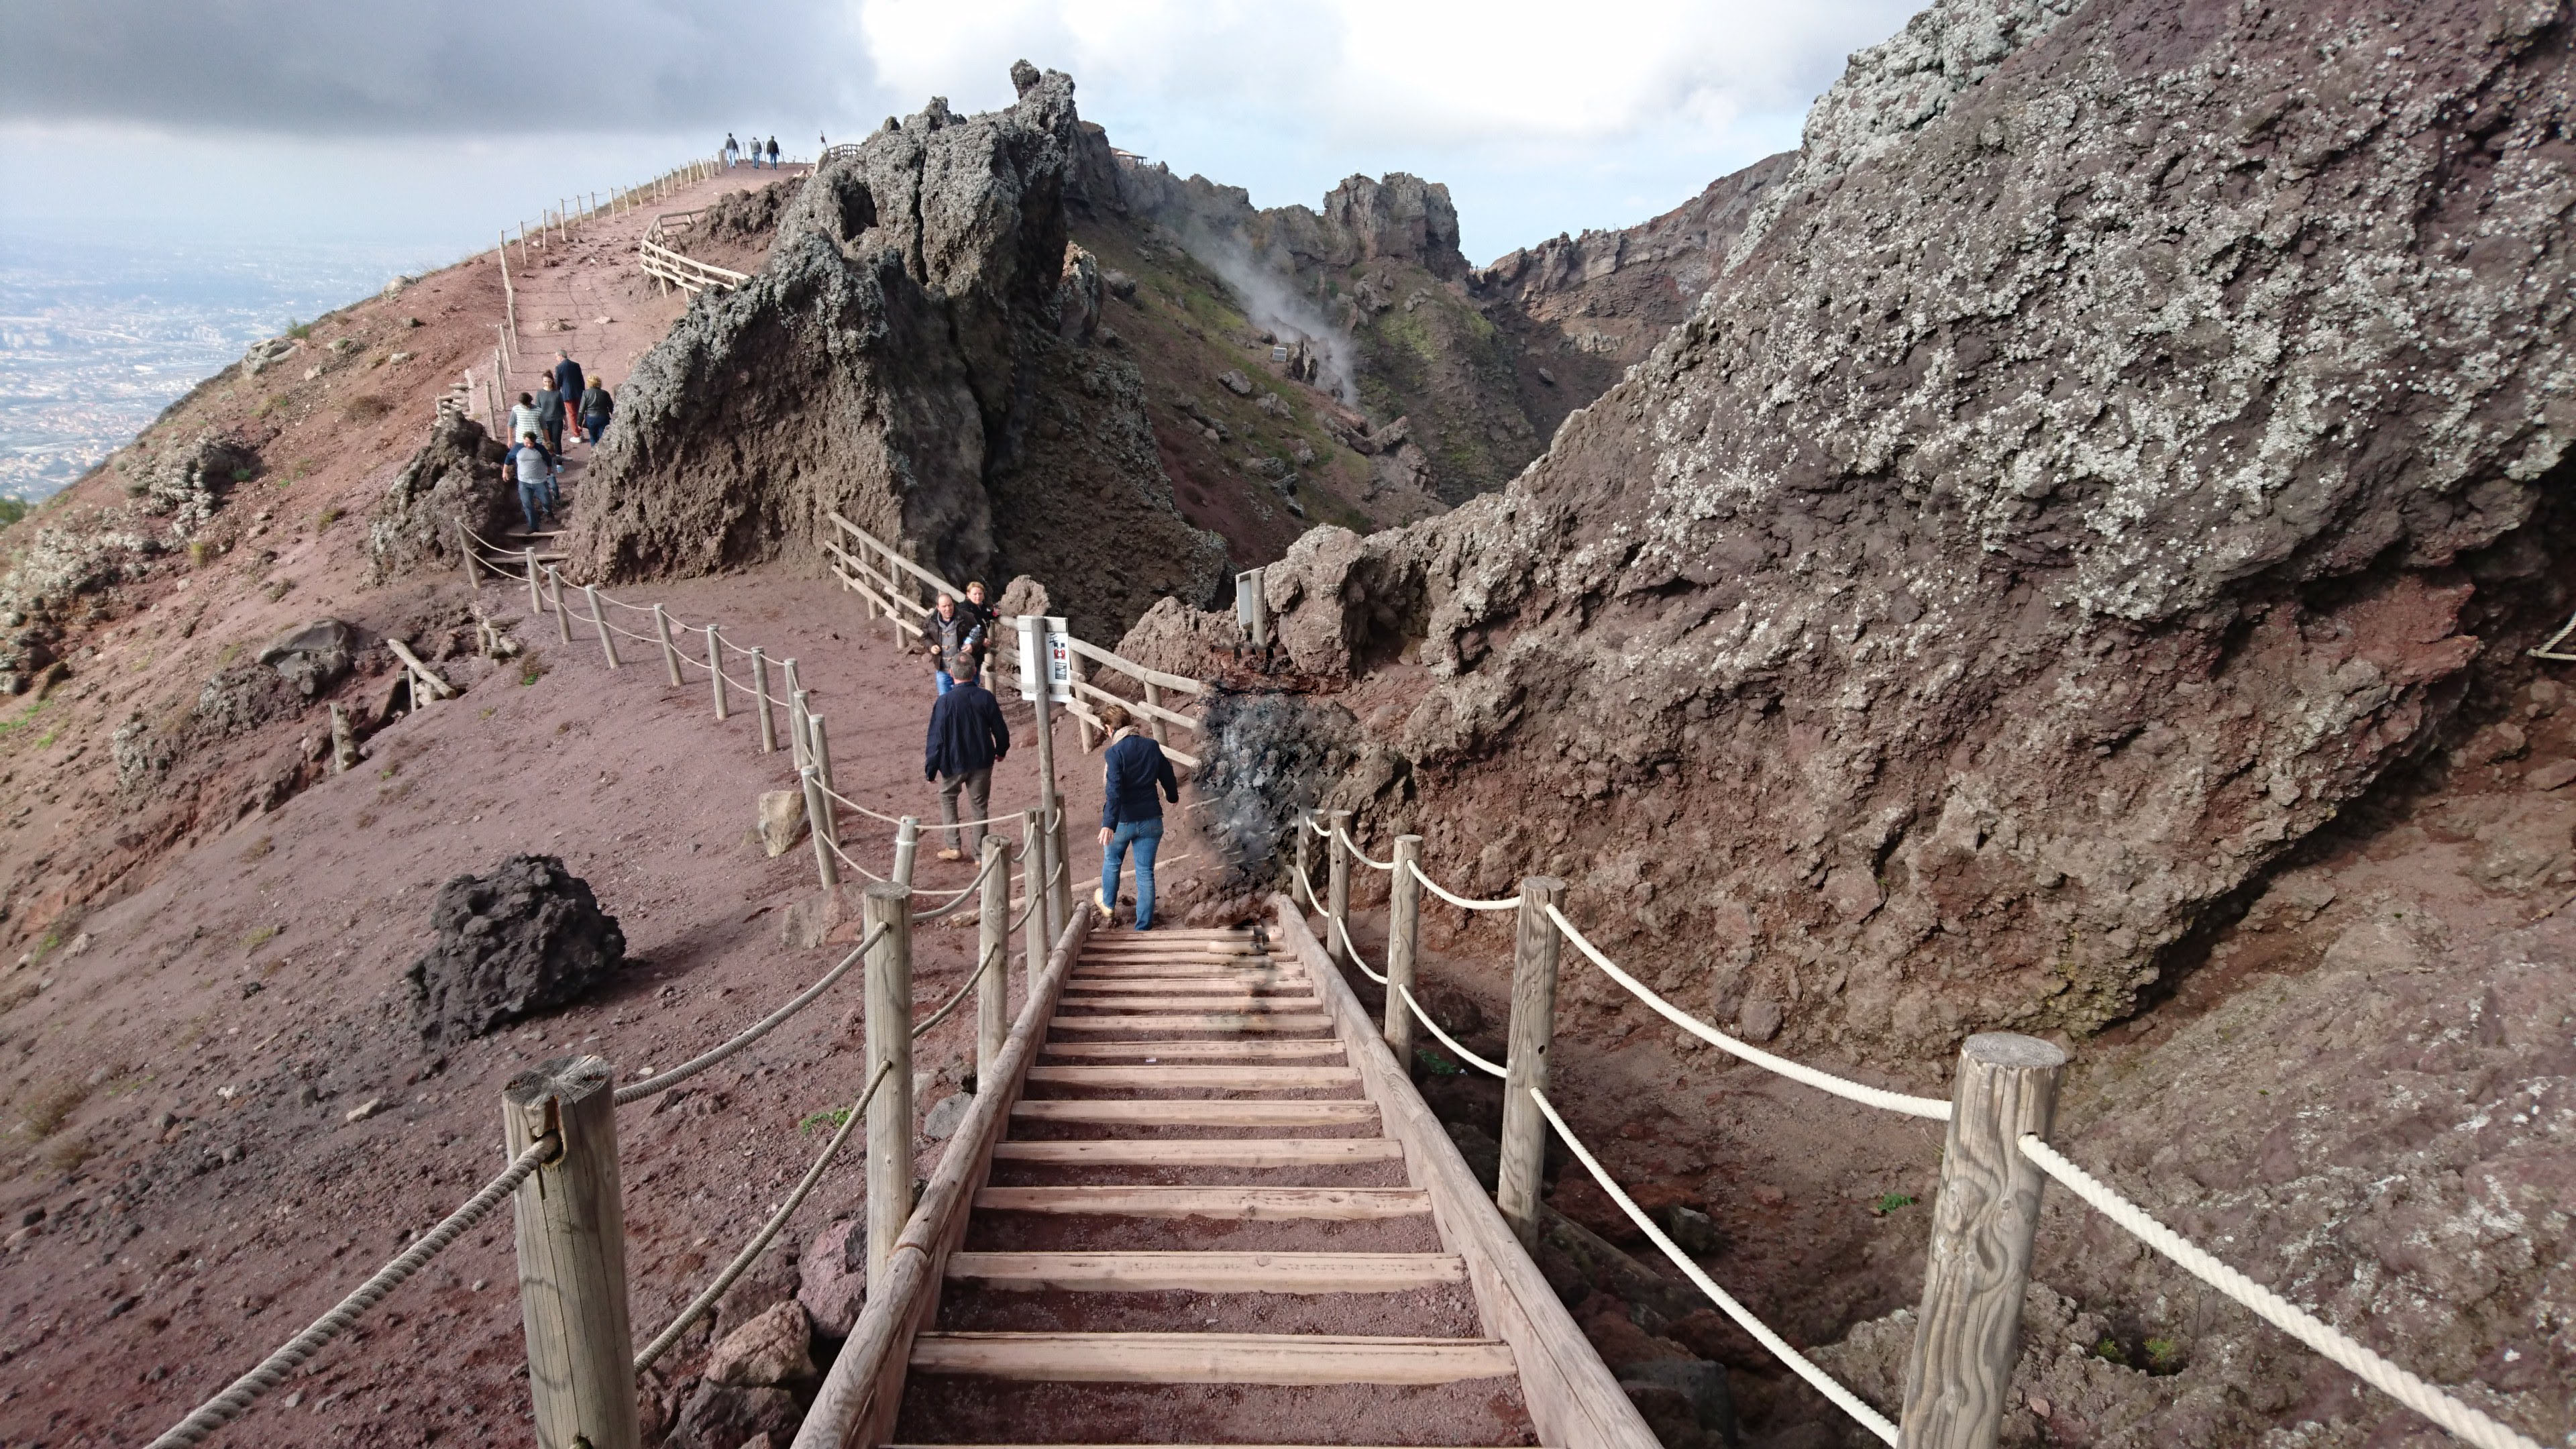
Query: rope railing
{"points": [[1505, 903], [1451, 1042], [1935, 1108], [1824, 1383], [1360, 855], [2463, 1421], [956, 900], [1348, 945], [834, 846], [227, 1406], [768, 1233], [663, 1082]]}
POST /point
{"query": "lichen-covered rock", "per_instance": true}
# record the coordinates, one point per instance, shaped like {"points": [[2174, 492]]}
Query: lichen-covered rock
{"points": [[454, 478], [904, 357], [314, 657], [188, 486], [2054, 517], [527, 938]]}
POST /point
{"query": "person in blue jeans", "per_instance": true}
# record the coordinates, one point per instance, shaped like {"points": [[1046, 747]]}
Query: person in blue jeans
{"points": [[1139, 778], [535, 469]]}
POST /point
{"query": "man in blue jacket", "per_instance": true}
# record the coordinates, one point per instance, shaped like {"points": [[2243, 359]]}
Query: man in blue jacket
{"points": [[1130, 813], [967, 739]]}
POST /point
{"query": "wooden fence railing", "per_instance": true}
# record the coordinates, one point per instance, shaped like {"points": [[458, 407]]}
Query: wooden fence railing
{"points": [[893, 586], [671, 267]]}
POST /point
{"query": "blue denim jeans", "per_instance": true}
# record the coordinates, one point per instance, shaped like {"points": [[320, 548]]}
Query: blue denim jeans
{"points": [[532, 501], [940, 677], [1147, 837]]}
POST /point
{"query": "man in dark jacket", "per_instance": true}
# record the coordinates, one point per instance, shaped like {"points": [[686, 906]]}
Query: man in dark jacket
{"points": [[967, 739], [1130, 814], [954, 640], [550, 411], [568, 381]]}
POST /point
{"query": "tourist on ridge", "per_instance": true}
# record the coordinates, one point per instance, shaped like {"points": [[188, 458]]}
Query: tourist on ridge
{"points": [[954, 640], [567, 376], [773, 153], [1133, 769], [731, 150], [535, 469], [523, 418], [550, 414], [984, 614], [967, 739], [596, 405]]}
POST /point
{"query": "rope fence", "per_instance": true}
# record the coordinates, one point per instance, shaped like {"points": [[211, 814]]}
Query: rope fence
{"points": [[227, 1406], [2446, 1410], [665, 1081]]}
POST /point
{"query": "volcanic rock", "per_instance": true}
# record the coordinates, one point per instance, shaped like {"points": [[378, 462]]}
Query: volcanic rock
{"points": [[902, 358], [527, 938], [312, 658], [833, 1282], [454, 477], [774, 1348], [1969, 617], [782, 821], [720, 1416]]}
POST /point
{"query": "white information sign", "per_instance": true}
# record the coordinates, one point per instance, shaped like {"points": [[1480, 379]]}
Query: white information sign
{"points": [[1058, 654]]}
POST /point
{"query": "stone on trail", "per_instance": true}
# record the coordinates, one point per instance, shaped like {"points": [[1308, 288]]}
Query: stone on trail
{"points": [[782, 821], [312, 658], [945, 1115], [774, 1348], [720, 1416], [529, 937], [833, 1278]]}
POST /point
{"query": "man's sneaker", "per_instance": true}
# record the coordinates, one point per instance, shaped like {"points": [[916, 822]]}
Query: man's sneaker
{"points": [[952, 855]]}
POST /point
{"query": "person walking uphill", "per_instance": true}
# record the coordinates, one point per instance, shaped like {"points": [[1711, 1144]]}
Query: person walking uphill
{"points": [[954, 642], [967, 739], [1130, 813], [568, 380], [596, 406]]}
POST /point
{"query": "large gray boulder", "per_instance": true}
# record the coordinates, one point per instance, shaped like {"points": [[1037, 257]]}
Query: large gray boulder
{"points": [[454, 477]]}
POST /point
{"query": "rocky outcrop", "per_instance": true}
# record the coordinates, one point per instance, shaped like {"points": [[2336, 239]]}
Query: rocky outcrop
{"points": [[529, 937], [904, 357], [2050, 519], [454, 478]]}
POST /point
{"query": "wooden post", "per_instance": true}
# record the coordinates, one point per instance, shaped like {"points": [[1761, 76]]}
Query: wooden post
{"points": [[1033, 866], [1033, 647], [1967, 1337], [715, 670], [818, 823], [572, 1256], [670, 651], [819, 745], [1525, 1068], [1403, 930], [795, 713], [760, 695], [599, 621], [889, 1045], [465, 547], [1083, 733], [1337, 887], [1301, 888], [536, 604], [1153, 702], [563, 620], [1060, 899], [1251, 609], [992, 943], [907, 844]]}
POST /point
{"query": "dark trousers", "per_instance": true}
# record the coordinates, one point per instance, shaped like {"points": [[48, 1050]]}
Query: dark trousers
{"points": [[978, 788], [594, 424], [554, 435]]}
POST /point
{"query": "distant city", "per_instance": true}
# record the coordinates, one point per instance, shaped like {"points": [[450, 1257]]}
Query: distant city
{"points": [[97, 336]]}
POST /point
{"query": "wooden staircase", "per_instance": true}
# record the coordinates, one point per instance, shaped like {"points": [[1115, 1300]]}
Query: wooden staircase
{"points": [[1213, 1211]]}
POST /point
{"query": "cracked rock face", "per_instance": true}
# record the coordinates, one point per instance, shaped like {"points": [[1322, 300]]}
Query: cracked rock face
{"points": [[2059, 510], [906, 357], [455, 477]]}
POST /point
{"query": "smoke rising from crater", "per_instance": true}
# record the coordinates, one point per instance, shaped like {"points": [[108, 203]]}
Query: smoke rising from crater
{"points": [[1272, 303]]}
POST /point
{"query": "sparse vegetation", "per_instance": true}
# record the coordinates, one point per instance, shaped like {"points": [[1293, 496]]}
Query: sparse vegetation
{"points": [[201, 552], [2163, 1356], [832, 1118], [1889, 1202], [278, 589], [330, 515], [259, 938], [298, 330], [366, 407], [531, 669], [1436, 1064], [11, 510], [259, 847], [44, 1113]]}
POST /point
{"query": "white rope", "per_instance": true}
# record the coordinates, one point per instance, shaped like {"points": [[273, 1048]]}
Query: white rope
{"points": [[954, 1002], [1356, 959], [1451, 1042], [956, 900], [227, 1406], [835, 847], [768, 1233], [1353, 847], [1886, 1101], [1507, 903], [1843, 1398], [2463, 1421], [753, 1033], [862, 809]]}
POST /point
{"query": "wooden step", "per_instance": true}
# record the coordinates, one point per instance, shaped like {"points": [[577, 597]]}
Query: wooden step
{"points": [[1234, 1049], [1250, 966], [1210, 1272], [1160, 1075], [1185, 956], [1250, 1204], [1211, 1021], [1191, 980], [1231, 1001], [1191, 1113], [1203, 1151], [1212, 1358]]}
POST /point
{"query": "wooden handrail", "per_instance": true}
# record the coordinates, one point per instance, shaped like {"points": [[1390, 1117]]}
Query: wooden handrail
{"points": [[1129, 666], [864, 1389]]}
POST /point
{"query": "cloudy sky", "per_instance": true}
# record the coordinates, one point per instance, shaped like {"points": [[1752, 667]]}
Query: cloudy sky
{"points": [[435, 123]]}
